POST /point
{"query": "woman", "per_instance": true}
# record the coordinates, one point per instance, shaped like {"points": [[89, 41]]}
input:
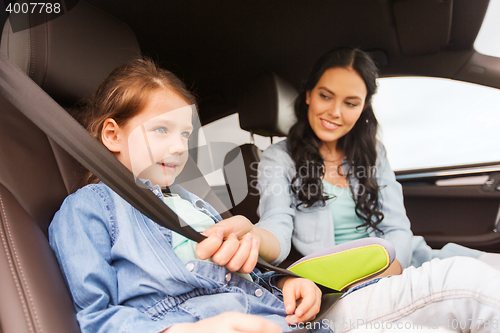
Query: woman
{"points": [[330, 181]]}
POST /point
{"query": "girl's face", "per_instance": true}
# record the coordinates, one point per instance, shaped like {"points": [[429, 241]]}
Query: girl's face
{"points": [[154, 143], [335, 104]]}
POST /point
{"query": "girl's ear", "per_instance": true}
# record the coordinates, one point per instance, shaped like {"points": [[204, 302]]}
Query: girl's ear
{"points": [[308, 97], [110, 135]]}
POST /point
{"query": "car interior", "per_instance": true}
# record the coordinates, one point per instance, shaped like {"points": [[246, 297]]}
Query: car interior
{"points": [[238, 57]]}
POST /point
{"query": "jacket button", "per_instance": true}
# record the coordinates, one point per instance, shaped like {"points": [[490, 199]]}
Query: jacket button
{"points": [[258, 292], [190, 266], [228, 277]]}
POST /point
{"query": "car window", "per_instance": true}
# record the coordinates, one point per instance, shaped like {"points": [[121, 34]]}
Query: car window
{"points": [[431, 122], [425, 122], [227, 132], [488, 39]]}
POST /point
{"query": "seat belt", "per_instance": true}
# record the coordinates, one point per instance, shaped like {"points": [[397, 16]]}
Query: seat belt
{"points": [[32, 101]]}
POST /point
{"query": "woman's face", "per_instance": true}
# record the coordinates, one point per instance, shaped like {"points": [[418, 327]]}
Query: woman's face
{"points": [[335, 104], [154, 143]]}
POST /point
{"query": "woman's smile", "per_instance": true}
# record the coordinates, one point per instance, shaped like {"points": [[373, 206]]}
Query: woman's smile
{"points": [[329, 125]]}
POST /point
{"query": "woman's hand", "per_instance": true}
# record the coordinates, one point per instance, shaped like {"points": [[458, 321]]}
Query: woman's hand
{"points": [[269, 247], [229, 322], [238, 225], [302, 299], [229, 243]]}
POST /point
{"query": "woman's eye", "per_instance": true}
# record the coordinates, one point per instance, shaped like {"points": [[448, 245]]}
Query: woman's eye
{"points": [[161, 130], [323, 96], [352, 105]]}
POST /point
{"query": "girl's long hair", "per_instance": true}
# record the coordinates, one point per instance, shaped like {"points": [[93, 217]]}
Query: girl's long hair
{"points": [[359, 144], [125, 93]]}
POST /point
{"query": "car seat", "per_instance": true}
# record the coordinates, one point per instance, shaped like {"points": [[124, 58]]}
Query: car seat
{"points": [[265, 108]]}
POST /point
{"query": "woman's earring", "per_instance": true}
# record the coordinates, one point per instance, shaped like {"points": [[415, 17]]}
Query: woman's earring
{"points": [[367, 121]]}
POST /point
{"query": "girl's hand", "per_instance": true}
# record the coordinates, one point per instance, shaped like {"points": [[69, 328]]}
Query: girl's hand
{"points": [[238, 254], [229, 322], [308, 296]]}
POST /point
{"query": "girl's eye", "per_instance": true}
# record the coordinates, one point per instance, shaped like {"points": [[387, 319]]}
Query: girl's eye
{"points": [[161, 130], [186, 135]]}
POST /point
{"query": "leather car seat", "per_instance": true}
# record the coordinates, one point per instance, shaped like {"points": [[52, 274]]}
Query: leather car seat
{"points": [[68, 57], [265, 108]]}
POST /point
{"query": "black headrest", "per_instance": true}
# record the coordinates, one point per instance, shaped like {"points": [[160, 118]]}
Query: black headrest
{"points": [[70, 55], [267, 106]]}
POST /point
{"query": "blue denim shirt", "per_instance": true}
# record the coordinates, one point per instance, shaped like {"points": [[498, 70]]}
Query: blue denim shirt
{"points": [[312, 229], [124, 276]]}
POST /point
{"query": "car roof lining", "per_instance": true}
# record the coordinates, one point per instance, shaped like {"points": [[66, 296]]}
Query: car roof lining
{"points": [[218, 49]]}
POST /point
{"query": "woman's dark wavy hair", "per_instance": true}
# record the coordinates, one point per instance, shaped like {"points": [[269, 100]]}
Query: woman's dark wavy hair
{"points": [[359, 144]]}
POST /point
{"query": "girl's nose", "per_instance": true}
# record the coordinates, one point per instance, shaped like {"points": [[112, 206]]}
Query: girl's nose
{"points": [[178, 145]]}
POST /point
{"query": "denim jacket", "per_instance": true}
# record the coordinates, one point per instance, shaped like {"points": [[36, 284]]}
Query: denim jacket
{"points": [[312, 229], [124, 276]]}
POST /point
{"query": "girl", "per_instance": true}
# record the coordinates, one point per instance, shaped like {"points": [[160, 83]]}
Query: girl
{"points": [[128, 274], [336, 181]]}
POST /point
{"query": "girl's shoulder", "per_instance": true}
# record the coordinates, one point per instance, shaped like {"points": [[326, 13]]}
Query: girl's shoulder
{"points": [[89, 203], [98, 190], [92, 197]]}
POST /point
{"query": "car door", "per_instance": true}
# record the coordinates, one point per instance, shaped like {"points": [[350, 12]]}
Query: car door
{"points": [[460, 205]]}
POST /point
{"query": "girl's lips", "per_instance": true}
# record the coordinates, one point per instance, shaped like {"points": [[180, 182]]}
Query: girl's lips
{"points": [[329, 125], [169, 167]]}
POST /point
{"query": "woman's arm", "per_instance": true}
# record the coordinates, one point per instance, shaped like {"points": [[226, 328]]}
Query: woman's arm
{"points": [[274, 230], [395, 225], [276, 211]]}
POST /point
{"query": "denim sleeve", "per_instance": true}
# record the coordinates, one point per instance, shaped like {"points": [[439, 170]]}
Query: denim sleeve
{"points": [[276, 210], [395, 225], [81, 236], [269, 281]]}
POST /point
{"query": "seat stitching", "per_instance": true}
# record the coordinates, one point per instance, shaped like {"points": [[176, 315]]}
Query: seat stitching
{"points": [[31, 65], [13, 271]]}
